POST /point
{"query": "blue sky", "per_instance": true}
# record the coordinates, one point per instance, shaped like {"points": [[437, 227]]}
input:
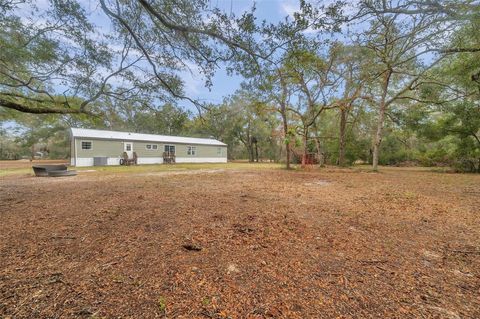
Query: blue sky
{"points": [[224, 85], [194, 84]]}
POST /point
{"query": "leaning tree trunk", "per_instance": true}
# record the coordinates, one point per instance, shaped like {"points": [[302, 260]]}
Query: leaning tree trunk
{"points": [[342, 141], [381, 119]]}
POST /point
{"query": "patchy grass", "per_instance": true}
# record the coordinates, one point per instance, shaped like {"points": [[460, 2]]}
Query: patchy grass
{"points": [[11, 169], [22, 167], [179, 167], [6, 171]]}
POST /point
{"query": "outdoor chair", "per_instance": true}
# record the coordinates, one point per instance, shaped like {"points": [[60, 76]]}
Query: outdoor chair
{"points": [[168, 157], [129, 161]]}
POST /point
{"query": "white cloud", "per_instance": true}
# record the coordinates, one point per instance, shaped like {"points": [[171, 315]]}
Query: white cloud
{"points": [[289, 8]]}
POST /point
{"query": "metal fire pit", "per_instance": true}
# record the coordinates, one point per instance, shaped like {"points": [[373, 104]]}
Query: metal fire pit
{"points": [[45, 170]]}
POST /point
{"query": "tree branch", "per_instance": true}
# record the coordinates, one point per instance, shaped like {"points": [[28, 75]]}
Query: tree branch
{"points": [[41, 110]]}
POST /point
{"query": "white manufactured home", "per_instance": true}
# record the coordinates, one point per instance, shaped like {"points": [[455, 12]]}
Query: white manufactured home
{"points": [[99, 147]]}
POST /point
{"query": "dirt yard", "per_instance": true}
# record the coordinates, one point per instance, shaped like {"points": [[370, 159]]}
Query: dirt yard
{"points": [[223, 243]]}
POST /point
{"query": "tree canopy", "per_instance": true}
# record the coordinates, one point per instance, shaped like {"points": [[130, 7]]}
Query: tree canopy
{"points": [[383, 82]]}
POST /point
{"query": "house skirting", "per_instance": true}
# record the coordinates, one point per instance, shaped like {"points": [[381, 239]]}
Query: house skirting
{"points": [[88, 161]]}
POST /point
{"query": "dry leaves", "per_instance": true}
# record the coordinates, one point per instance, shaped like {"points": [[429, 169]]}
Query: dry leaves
{"points": [[241, 244]]}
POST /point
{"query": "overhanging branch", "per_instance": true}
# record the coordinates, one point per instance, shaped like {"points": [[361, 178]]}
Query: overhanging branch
{"points": [[40, 110]]}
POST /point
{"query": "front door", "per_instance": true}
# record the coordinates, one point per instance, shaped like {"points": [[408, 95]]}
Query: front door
{"points": [[128, 147]]}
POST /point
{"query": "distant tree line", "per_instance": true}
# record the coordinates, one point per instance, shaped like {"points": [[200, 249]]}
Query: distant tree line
{"points": [[380, 82]]}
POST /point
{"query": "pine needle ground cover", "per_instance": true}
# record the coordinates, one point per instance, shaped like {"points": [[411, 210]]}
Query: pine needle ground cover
{"points": [[241, 243]]}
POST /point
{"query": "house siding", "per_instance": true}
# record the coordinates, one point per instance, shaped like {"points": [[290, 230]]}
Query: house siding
{"points": [[72, 151], [114, 149], [108, 148]]}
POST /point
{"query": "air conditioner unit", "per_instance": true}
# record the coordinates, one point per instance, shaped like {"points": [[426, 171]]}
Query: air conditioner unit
{"points": [[100, 161]]}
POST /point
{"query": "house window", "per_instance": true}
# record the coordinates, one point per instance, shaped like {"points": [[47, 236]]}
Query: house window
{"points": [[128, 147], [86, 145], [170, 149], [219, 151], [191, 150], [152, 147]]}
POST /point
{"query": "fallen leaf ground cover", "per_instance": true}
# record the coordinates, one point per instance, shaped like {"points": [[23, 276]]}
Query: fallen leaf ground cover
{"points": [[229, 243]]}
